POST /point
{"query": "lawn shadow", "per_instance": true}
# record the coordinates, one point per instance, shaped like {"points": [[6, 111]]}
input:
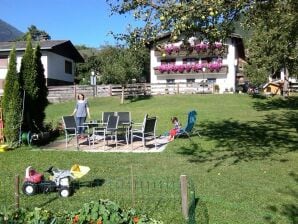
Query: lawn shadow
{"points": [[138, 98], [93, 183], [198, 212], [290, 211], [277, 103], [236, 141]]}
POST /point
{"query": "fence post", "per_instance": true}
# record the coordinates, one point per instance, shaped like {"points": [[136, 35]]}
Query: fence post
{"points": [[17, 191], [184, 196], [132, 188], [75, 90]]}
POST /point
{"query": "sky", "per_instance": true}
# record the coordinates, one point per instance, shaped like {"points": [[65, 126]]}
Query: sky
{"points": [[83, 22]]}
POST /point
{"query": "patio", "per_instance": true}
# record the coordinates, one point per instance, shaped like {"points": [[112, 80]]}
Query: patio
{"points": [[136, 147]]}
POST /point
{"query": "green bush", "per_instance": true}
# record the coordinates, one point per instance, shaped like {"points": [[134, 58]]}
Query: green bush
{"points": [[102, 211]]}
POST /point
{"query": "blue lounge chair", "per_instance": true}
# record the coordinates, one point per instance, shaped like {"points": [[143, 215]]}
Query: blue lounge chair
{"points": [[189, 128]]}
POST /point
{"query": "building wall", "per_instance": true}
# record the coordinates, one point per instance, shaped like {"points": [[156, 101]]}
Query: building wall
{"points": [[226, 81], [54, 69]]}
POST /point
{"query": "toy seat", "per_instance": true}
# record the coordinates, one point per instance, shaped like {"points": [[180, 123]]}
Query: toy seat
{"points": [[33, 176]]}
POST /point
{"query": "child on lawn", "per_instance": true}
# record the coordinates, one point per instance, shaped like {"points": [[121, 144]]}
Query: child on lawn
{"points": [[174, 130]]}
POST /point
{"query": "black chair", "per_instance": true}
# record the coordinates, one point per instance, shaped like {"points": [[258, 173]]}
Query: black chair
{"points": [[145, 131], [124, 124], [110, 130], [71, 130], [105, 117]]}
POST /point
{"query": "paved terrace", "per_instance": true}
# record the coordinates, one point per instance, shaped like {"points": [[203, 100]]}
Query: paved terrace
{"points": [[99, 146]]}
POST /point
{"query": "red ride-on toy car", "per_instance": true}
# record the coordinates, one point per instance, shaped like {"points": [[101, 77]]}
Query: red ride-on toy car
{"points": [[60, 180]]}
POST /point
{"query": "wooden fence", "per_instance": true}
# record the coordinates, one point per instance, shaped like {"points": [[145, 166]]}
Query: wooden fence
{"points": [[64, 93]]}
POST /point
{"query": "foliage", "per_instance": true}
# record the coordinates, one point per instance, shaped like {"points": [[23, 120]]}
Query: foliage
{"points": [[29, 85], [274, 42], [211, 20], [35, 34], [104, 63], [102, 211], [12, 102], [123, 65], [39, 102]]}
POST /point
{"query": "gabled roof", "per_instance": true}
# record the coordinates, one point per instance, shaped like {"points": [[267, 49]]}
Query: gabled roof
{"points": [[9, 32], [61, 47]]}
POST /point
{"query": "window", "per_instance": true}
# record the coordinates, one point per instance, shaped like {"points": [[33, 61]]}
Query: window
{"points": [[170, 81], [189, 82], [3, 61], [68, 67], [211, 80], [190, 61], [168, 61]]}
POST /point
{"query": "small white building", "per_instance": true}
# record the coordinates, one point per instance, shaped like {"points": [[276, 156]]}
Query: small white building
{"points": [[198, 62], [58, 59]]}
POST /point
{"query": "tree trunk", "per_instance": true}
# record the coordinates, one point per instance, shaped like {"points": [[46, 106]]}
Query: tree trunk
{"points": [[286, 84], [122, 95]]}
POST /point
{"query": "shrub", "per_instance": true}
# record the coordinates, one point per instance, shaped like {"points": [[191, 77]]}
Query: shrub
{"points": [[102, 211]]}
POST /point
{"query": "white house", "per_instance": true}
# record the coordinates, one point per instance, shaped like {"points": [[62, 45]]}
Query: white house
{"points": [[198, 62], [58, 59]]}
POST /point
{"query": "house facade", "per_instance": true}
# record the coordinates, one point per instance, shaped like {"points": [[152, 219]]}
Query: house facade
{"points": [[217, 66], [58, 59]]}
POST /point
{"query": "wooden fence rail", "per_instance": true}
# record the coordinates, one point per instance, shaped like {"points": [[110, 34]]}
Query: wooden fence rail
{"points": [[64, 93]]}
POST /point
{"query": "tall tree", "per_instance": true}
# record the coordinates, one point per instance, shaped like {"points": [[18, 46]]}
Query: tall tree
{"points": [[207, 19], [36, 34], [274, 44], [39, 100], [29, 85], [121, 66], [12, 102]]}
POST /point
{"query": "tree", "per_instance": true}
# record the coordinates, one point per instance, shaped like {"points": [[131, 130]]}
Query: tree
{"points": [[206, 19], [274, 23], [28, 75], [12, 102], [39, 101], [274, 43], [36, 34], [122, 66]]}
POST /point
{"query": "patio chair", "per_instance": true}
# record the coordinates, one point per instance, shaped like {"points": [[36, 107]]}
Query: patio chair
{"points": [[124, 124], [70, 129], [110, 130], [189, 127], [145, 131], [104, 117]]}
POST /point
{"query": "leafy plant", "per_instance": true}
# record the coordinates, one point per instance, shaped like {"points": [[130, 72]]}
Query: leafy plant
{"points": [[102, 211]]}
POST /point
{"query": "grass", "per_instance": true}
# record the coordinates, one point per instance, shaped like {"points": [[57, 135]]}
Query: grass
{"points": [[244, 166]]}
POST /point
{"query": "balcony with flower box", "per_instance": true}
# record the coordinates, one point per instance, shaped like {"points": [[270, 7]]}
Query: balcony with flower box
{"points": [[198, 50], [193, 69]]}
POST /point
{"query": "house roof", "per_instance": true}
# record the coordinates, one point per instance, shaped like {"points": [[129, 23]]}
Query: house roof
{"points": [[61, 47], [277, 83], [9, 32]]}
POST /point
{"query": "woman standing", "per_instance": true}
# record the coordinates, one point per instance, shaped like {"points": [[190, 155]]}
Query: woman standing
{"points": [[81, 111]]}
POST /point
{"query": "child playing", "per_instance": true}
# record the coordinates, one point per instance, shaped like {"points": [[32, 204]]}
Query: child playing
{"points": [[174, 130]]}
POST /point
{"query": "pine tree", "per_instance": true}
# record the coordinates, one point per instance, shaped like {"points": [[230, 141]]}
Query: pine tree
{"points": [[40, 102], [29, 85], [12, 102]]}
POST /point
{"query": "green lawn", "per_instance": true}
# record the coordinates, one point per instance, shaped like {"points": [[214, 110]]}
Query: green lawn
{"points": [[244, 165]]}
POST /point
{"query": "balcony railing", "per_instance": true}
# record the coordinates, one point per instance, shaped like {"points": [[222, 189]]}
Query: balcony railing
{"points": [[222, 70], [193, 53]]}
